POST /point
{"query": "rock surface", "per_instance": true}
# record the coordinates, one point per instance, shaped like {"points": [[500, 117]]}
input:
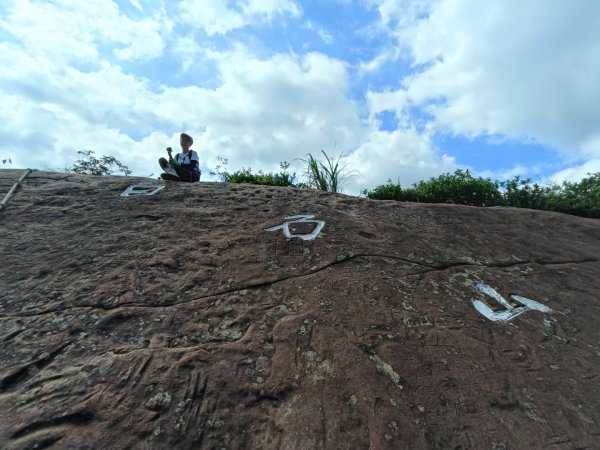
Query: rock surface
{"points": [[176, 321]]}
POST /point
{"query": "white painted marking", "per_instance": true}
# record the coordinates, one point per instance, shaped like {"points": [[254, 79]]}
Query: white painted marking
{"points": [[510, 312], [302, 218], [142, 189], [531, 304]]}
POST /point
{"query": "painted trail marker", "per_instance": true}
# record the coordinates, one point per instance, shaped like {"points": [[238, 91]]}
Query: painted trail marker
{"points": [[302, 218], [142, 189], [509, 312]]}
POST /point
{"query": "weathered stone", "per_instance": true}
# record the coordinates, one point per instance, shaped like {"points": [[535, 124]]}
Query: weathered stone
{"points": [[160, 401], [176, 320]]}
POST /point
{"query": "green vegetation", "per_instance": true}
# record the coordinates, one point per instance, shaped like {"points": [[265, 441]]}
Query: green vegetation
{"points": [[282, 178], [460, 187], [90, 165], [581, 199], [329, 176]]}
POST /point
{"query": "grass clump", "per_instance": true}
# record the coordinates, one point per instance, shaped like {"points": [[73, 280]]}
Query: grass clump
{"points": [[327, 176]]}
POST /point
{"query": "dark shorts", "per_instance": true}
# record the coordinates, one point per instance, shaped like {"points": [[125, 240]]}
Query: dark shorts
{"points": [[185, 174]]}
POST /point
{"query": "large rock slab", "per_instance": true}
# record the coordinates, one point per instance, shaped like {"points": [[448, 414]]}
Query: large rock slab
{"points": [[175, 320]]}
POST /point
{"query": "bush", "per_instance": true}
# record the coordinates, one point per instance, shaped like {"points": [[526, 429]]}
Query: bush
{"points": [[267, 179], [282, 178], [388, 191], [460, 187], [90, 165], [581, 199], [522, 194]]}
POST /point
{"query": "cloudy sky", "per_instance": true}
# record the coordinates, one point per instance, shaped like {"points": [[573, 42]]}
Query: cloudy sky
{"points": [[403, 89]]}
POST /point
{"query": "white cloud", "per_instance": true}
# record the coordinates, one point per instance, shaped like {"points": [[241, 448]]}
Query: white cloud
{"points": [[524, 70], [576, 173], [264, 111], [404, 156], [401, 13], [323, 34], [188, 50], [136, 4], [258, 110], [268, 9], [502, 175], [212, 16], [51, 109], [386, 56], [48, 136], [223, 16], [395, 101], [70, 32], [269, 110]]}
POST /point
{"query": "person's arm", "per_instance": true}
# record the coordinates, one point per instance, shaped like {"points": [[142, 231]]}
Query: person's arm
{"points": [[194, 163], [173, 162]]}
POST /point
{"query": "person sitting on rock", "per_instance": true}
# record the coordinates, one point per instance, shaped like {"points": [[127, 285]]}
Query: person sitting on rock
{"points": [[185, 166]]}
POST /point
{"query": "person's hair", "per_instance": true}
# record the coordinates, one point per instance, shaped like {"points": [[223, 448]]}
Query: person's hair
{"points": [[187, 137]]}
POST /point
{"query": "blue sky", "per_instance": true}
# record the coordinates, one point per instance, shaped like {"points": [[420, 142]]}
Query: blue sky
{"points": [[403, 89]]}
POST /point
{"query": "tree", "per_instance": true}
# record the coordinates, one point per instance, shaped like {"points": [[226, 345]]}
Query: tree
{"points": [[6, 160], [90, 165]]}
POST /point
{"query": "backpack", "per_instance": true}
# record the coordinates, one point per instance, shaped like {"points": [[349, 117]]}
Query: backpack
{"points": [[195, 171]]}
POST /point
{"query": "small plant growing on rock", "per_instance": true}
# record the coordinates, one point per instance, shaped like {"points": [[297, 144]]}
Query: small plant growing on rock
{"points": [[88, 164], [327, 176], [283, 178]]}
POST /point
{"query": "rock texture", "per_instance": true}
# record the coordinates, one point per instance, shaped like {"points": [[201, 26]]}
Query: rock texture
{"points": [[176, 321]]}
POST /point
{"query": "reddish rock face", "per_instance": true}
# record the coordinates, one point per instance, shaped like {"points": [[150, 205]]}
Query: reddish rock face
{"points": [[175, 320]]}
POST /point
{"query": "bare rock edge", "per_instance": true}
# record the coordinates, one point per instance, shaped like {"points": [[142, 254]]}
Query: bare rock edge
{"points": [[176, 321]]}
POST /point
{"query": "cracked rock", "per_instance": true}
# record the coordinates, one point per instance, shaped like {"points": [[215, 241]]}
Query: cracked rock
{"points": [[113, 309]]}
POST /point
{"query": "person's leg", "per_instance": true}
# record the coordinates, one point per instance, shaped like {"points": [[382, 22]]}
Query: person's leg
{"points": [[167, 168], [184, 174]]}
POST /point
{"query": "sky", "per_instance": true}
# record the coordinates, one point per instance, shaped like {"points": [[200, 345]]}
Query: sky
{"points": [[402, 90]]}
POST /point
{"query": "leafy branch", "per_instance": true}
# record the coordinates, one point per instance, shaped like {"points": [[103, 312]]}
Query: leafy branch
{"points": [[88, 164]]}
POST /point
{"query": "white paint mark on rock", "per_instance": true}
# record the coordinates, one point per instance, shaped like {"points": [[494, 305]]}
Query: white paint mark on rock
{"points": [[302, 218], [509, 312], [142, 189]]}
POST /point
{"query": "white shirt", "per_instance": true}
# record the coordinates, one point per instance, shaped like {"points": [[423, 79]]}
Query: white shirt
{"points": [[184, 158]]}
